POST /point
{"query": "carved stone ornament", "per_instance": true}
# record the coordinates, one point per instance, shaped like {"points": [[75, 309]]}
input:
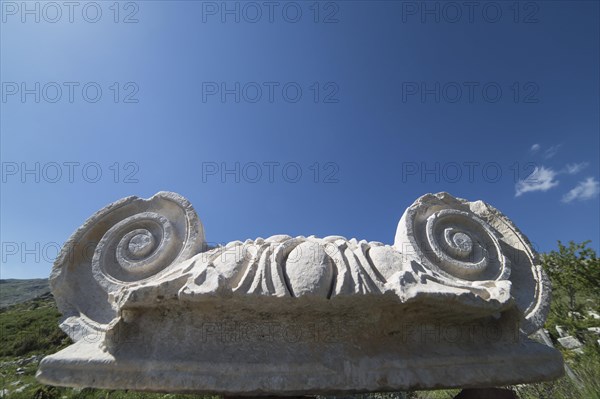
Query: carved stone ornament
{"points": [[151, 307]]}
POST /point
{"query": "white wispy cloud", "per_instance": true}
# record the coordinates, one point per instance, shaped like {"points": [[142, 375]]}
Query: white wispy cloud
{"points": [[574, 168], [584, 190], [535, 148], [542, 179], [550, 152]]}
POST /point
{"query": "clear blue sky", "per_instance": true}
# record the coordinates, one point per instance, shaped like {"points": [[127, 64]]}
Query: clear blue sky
{"points": [[398, 99]]}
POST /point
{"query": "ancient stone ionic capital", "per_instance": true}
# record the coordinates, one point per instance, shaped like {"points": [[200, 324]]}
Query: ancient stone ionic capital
{"points": [[152, 307]]}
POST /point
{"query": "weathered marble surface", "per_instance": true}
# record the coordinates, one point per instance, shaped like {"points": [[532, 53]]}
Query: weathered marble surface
{"points": [[152, 307]]}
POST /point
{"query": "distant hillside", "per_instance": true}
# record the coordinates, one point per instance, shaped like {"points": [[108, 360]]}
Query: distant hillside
{"points": [[14, 291]]}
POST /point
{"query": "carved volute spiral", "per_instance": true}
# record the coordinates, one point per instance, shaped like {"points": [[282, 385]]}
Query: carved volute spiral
{"points": [[472, 241], [123, 244]]}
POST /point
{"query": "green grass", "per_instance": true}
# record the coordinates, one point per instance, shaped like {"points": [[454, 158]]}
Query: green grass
{"points": [[30, 328]]}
